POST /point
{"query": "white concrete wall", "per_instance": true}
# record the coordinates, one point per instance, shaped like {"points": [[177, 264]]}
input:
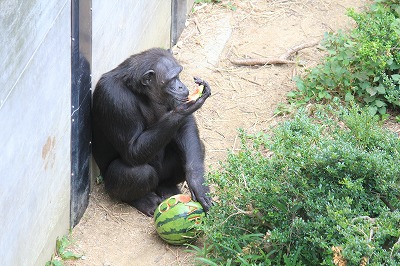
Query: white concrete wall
{"points": [[35, 85], [124, 27]]}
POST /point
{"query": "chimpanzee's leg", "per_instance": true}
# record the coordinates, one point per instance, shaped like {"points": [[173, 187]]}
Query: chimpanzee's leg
{"points": [[172, 172], [133, 185]]}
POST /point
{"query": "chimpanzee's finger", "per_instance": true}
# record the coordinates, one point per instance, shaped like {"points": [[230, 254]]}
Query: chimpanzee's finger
{"points": [[198, 80]]}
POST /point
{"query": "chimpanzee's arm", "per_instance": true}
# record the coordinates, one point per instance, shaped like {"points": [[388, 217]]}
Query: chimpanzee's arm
{"points": [[193, 151], [123, 118], [123, 123], [124, 126], [139, 145], [143, 144]]}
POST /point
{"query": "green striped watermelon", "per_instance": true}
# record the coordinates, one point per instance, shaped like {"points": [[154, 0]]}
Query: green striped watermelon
{"points": [[176, 217]]}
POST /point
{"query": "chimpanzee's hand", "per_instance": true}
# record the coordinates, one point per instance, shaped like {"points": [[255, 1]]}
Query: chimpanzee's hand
{"points": [[199, 193], [205, 201], [188, 108], [206, 90]]}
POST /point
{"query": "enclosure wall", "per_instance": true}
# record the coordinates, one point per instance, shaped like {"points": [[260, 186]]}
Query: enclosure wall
{"points": [[35, 93], [127, 28]]}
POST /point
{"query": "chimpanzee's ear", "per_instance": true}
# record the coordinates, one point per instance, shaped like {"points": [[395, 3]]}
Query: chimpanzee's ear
{"points": [[147, 77]]}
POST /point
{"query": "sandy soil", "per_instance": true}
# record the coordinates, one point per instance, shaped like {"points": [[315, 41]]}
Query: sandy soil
{"points": [[114, 234]]}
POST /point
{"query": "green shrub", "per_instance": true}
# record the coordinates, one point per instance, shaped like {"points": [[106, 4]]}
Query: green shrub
{"points": [[322, 188], [363, 65]]}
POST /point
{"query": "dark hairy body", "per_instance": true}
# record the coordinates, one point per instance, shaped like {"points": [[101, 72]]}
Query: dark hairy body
{"points": [[145, 137]]}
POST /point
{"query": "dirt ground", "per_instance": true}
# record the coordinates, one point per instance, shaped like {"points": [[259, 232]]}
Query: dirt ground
{"points": [[112, 233]]}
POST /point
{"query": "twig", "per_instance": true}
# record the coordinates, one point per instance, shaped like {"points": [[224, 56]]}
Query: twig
{"points": [[197, 26], [246, 79], [283, 59], [240, 211], [108, 212], [387, 203], [366, 218], [297, 48], [259, 61], [234, 142], [397, 243]]}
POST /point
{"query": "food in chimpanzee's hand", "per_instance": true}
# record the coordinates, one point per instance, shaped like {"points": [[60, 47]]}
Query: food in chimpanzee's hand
{"points": [[196, 94]]}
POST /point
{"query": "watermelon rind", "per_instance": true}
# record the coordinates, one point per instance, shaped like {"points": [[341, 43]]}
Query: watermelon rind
{"points": [[176, 220]]}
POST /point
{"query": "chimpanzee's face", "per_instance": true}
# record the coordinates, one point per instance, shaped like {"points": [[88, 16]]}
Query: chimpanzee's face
{"points": [[163, 82]]}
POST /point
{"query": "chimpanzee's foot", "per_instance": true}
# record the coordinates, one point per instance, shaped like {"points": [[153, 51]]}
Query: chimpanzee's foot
{"points": [[165, 191], [147, 204]]}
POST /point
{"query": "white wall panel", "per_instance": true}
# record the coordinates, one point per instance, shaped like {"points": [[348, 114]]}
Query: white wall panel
{"points": [[124, 27], [35, 128]]}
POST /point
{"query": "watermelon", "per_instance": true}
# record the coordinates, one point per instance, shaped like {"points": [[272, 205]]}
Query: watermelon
{"points": [[176, 217], [196, 94]]}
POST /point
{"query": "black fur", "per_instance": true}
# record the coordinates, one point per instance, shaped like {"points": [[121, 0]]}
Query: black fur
{"points": [[145, 138]]}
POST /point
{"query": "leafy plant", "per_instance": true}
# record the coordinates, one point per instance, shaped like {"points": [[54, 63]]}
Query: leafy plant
{"points": [[62, 252], [362, 66], [54, 262], [207, 1], [227, 4], [322, 189]]}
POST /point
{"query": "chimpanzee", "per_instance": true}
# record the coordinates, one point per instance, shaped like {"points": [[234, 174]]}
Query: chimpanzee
{"points": [[145, 137]]}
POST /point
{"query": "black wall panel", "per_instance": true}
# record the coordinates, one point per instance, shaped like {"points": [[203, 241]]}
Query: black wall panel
{"points": [[80, 108]]}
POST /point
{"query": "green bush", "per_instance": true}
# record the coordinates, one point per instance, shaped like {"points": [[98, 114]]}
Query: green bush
{"points": [[322, 189], [363, 65]]}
